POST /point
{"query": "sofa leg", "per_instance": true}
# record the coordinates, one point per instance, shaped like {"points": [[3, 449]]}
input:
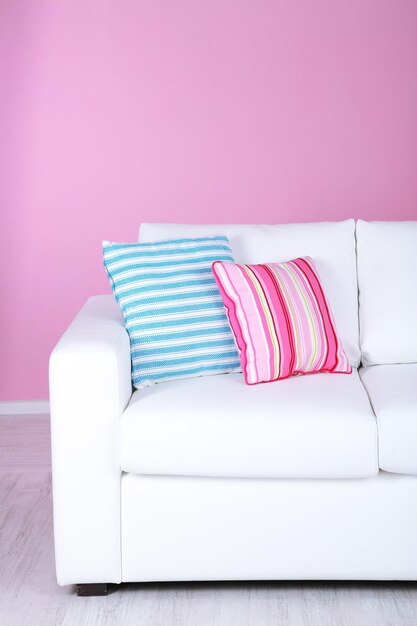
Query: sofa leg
{"points": [[95, 589]]}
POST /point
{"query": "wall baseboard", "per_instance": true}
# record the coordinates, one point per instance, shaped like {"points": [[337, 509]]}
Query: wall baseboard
{"points": [[24, 407]]}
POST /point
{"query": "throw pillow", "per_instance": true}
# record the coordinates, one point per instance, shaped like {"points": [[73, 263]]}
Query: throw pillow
{"points": [[172, 307], [281, 320]]}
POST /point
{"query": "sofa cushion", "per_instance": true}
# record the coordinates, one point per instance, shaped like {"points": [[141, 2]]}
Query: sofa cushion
{"points": [[387, 275], [319, 426], [330, 244], [392, 390]]}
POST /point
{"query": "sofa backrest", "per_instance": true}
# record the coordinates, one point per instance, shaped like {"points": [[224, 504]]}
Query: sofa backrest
{"points": [[330, 244], [387, 275]]}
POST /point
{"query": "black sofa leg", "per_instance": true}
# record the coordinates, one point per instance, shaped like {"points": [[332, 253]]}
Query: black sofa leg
{"points": [[95, 589]]}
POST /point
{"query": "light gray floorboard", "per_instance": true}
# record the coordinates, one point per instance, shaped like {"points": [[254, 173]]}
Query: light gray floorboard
{"points": [[29, 595]]}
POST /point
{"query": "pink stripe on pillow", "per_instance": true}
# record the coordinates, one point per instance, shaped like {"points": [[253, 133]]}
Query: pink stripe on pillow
{"points": [[281, 319]]}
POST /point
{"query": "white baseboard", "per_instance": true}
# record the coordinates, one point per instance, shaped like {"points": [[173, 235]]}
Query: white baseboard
{"points": [[24, 407]]}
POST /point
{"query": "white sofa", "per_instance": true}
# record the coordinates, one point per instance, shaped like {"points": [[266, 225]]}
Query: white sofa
{"points": [[312, 477]]}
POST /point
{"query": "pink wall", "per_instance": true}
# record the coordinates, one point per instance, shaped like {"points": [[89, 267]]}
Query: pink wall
{"points": [[115, 112]]}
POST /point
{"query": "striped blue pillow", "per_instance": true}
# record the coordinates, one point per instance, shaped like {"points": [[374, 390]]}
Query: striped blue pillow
{"points": [[172, 307]]}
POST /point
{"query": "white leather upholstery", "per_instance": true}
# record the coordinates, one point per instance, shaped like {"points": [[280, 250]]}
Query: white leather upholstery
{"points": [[392, 390], [177, 528], [330, 244], [387, 275], [252, 501], [89, 388], [321, 425]]}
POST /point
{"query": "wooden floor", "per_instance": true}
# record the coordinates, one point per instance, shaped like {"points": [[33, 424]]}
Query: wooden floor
{"points": [[30, 596]]}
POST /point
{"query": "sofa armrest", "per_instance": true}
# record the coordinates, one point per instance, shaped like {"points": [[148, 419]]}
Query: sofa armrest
{"points": [[90, 386]]}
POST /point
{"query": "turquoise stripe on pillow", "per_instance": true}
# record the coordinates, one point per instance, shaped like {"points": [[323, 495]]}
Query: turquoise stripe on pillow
{"points": [[172, 307]]}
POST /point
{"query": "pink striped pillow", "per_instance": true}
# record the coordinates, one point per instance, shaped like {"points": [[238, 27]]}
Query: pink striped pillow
{"points": [[281, 320]]}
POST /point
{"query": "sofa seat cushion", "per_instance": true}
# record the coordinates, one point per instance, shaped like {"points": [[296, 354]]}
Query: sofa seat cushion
{"points": [[392, 390], [319, 426]]}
